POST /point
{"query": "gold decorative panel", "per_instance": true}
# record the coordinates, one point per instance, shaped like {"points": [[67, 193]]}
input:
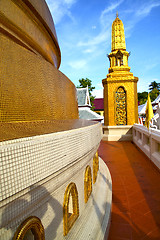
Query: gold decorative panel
{"points": [[32, 223], [121, 114], [87, 183], [95, 167], [70, 216]]}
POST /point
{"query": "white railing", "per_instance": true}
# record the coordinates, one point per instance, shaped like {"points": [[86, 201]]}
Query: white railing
{"points": [[148, 141]]}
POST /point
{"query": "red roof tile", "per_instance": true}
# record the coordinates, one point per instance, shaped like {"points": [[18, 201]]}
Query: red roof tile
{"points": [[98, 104]]}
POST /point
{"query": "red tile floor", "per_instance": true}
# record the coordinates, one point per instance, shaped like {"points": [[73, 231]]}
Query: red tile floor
{"points": [[136, 192]]}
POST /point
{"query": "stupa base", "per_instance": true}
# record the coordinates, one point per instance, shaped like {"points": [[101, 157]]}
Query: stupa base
{"points": [[117, 133]]}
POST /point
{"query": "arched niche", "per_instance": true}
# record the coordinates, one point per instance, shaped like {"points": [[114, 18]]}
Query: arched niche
{"points": [[95, 167], [119, 59], [30, 226], [87, 183], [120, 106], [70, 207]]}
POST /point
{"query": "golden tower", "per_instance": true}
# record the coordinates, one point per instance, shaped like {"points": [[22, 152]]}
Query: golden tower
{"points": [[120, 86]]}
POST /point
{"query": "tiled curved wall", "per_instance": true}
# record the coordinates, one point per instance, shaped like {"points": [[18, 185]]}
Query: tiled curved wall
{"points": [[35, 172]]}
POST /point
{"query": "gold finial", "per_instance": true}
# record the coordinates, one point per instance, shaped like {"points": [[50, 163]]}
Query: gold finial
{"points": [[118, 37]]}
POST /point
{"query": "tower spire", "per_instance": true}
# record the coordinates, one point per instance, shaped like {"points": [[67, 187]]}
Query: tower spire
{"points": [[118, 36], [117, 14]]}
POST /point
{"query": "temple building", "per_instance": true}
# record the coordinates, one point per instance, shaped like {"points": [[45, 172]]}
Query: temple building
{"points": [[99, 106], [120, 86], [54, 184], [84, 106]]}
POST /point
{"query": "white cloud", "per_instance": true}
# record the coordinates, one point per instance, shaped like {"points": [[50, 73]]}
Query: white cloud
{"points": [[110, 8], [78, 64], [155, 79], [99, 85], [151, 66], [146, 9], [89, 50], [98, 93], [137, 14], [70, 1], [94, 27], [60, 8], [106, 18], [142, 85], [94, 41]]}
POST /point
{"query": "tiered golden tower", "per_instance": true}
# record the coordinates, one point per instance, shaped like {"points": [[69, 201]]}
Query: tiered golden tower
{"points": [[120, 86]]}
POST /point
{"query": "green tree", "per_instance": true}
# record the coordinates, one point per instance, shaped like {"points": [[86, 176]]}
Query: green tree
{"points": [[83, 84], [154, 94], [154, 85], [142, 97], [154, 89]]}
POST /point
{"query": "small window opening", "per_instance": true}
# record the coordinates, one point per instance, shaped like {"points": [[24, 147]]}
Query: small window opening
{"points": [[31, 228], [87, 183], [95, 167], [70, 207]]}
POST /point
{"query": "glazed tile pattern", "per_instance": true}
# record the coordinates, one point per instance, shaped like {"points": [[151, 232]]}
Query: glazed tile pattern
{"points": [[35, 173], [27, 161], [32, 88]]}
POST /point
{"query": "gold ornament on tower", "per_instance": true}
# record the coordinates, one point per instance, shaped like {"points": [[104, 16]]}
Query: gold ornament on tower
{"points": [[121, 107]]}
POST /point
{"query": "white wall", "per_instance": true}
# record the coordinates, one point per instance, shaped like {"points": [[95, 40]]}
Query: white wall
{"points": [[35, 172], [148, 141]]}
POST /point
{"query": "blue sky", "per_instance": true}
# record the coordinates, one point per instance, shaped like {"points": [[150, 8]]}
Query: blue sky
{"points": [[84, 33]]}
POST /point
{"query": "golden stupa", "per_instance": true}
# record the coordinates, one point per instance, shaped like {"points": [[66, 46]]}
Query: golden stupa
{"points": [[120, 86], [29, 49], [48, 156]]}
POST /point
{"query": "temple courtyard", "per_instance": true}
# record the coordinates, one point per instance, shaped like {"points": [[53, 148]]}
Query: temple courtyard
{"points": [[136, 192]]}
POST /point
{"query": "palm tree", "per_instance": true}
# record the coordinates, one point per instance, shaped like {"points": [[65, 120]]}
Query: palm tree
{"points": [[154, 85]]}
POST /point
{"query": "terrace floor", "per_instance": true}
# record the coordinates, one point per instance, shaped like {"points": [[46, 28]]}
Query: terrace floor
{"points": [[136, 192]]}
